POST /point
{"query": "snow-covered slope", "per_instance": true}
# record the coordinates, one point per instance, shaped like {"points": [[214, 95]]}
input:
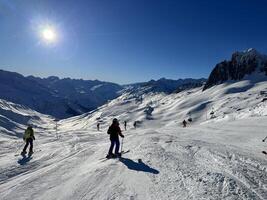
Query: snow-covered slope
{"points": [[207, 160], [228, 101], [14, 118], [218, 156]]}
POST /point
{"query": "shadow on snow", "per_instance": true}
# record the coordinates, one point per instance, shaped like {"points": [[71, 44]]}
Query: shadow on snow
{"points": [[138, 166], [24, 160]]}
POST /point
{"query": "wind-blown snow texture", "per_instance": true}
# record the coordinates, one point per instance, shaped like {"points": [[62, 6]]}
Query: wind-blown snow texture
{"points": [[216, 157]]}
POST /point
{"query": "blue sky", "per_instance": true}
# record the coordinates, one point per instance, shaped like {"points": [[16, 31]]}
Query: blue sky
{"points": [[126, 41]]}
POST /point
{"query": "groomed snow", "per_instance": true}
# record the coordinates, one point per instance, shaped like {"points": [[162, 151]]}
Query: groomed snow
{"points": [[218, 158]]}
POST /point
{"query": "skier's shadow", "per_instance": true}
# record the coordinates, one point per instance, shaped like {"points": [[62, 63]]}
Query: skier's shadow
{"points": [[138, 166], [24, 160]]}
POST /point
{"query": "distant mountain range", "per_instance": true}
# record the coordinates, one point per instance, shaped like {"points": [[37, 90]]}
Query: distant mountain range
{"points": [[164, 85], [60, 98], [67, 97]]}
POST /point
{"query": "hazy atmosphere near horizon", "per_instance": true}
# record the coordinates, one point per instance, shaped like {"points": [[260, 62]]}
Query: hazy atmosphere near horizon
{"points": [[126, 41]]}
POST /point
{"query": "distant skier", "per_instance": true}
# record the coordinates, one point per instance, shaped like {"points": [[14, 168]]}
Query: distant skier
{"points": [[135, 124], [264, 141], [114, 131], [98, 126], [125, 125], [28, 137], [184, 123]]}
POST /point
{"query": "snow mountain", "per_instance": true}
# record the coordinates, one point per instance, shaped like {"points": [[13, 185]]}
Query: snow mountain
{"points": [[60, 98], [164, 85], [86, 95], [217, 156], [63, 98], [241, 65], [226, 102]]}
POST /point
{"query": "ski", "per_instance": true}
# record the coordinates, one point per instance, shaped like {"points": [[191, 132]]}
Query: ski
{"points": [[122, 153], [23, 155]]}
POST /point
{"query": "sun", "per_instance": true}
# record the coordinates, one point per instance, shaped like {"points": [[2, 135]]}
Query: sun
{"points": [[49, 35]]}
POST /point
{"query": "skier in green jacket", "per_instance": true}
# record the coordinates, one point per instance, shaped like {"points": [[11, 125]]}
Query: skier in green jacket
{"points": [[28, 137]]}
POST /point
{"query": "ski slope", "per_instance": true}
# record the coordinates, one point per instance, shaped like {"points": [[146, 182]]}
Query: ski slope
{"points": [[212, 158]]}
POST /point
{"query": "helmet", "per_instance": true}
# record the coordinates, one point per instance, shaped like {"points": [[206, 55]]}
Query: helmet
{"points": [[115, 121]]}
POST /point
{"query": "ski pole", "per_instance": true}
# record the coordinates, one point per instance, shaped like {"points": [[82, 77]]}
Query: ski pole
{"points": [[264, 139], [121, 144], [20, 147]]}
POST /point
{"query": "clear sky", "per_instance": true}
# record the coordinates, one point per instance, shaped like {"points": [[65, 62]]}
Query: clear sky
{"points": [[126, 41]]}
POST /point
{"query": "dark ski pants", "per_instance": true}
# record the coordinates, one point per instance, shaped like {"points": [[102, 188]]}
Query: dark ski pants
{"points": [[114, 142], [28, 141]]}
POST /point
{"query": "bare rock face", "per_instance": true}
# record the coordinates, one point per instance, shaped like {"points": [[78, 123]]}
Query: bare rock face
{"points": [[241, 64]]}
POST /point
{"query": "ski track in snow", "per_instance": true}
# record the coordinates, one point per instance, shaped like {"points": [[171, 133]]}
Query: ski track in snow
{"points": [[170, 164]]}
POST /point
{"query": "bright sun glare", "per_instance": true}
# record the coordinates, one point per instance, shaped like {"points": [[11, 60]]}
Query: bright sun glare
{"points": [[49, 35]]}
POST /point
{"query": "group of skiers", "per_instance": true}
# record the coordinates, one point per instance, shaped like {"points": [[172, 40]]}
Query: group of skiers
{"points": [[185, 122], [114, 132], [125, 125]]}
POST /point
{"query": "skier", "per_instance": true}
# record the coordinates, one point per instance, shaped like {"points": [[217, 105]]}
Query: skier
{"points": [[98, 126], [114, 131], [28, 137], [264, 141], [135, 124], [184, 123], [125, 125]]}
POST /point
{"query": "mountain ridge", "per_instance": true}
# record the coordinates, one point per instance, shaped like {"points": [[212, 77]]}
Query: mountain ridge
{"points": [[67, 97], [60, 98], [243, 63]]}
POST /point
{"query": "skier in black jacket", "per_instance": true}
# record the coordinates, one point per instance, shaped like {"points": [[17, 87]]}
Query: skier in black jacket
{"points": [[114, 131], [184, 123]]}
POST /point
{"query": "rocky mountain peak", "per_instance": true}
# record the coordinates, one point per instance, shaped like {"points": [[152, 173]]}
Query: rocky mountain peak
{"points": [[241, 64]]}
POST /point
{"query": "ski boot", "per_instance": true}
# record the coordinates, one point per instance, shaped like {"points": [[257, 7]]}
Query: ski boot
{"points": [[30, 153], [23, 153], [118, 155], [111, 156]]}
